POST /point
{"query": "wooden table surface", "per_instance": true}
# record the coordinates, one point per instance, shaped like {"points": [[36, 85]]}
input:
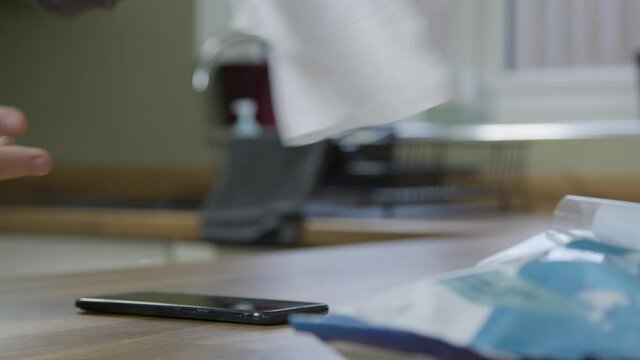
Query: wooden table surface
{"points": [[156, 224], [39, 321]]}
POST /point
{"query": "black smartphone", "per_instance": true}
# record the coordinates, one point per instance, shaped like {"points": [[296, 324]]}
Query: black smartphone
{"points": [[201, 307]]}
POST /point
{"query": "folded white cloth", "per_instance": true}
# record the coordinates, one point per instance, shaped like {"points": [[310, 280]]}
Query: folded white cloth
{"points": [[342, 64]]}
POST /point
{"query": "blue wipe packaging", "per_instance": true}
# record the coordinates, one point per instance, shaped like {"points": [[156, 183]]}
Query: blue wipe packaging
{"points": [[570, 293]]}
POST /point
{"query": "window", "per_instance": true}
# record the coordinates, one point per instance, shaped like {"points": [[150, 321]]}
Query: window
{"points": [[541, 61], [571, 33]]}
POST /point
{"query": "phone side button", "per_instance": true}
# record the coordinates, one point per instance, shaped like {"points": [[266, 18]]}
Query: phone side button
{"points": [[251, 315]]}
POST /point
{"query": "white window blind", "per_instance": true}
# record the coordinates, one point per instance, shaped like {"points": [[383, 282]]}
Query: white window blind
{"points": [[572, 33]]}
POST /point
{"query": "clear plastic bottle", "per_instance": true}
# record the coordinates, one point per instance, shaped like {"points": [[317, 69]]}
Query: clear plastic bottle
{"points": [[609, 221]]}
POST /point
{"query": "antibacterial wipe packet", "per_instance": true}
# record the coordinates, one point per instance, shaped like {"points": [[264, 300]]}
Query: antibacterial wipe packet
{"points": [[570, 293]]}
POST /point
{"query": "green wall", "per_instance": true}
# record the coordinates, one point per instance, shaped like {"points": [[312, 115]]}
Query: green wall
{"points": [[616, 156], [108, 88]]}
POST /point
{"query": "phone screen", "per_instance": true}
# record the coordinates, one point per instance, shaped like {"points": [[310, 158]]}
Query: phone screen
{"points": [[206, 301]]}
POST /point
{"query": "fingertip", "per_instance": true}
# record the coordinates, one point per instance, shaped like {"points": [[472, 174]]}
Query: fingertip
{"points": [[41, 164], [12, 121], [18, 161]]}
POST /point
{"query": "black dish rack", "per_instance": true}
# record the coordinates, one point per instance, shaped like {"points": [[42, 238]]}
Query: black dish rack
{"points": [[394, 171]]}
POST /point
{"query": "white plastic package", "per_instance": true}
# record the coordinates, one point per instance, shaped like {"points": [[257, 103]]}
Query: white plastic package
{"points": [[571, 293]]}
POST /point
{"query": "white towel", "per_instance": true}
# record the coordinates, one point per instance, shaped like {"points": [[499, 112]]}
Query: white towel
{"points": [[343, 64]]}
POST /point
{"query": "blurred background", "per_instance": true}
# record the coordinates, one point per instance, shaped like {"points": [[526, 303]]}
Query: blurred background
{"points": [[545, 103]]}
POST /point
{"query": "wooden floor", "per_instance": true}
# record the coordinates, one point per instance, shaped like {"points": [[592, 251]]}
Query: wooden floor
{"points": [[184, 225]]}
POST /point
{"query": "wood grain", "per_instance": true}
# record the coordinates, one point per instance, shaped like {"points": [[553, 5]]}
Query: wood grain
{"points": [[111, 183], [545, 190], [39, 321], [83, 183], [141, 223], [153, 224]]}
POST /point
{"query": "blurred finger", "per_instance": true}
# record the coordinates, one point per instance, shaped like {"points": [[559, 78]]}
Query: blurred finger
{"points": [[17, 161], [13, 122], [7, 140]]}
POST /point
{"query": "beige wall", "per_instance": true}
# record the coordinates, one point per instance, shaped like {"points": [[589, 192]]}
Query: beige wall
{"points": [[107, 88]]}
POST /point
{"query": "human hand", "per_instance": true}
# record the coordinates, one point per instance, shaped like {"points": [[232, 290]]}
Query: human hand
{"points": [[15, 160]]}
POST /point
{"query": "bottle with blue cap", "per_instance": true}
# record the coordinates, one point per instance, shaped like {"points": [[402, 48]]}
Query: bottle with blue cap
{"points": [[246, 125]]}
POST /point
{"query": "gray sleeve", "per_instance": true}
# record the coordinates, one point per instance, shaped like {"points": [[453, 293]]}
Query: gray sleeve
{"points": [[71, 7]]}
